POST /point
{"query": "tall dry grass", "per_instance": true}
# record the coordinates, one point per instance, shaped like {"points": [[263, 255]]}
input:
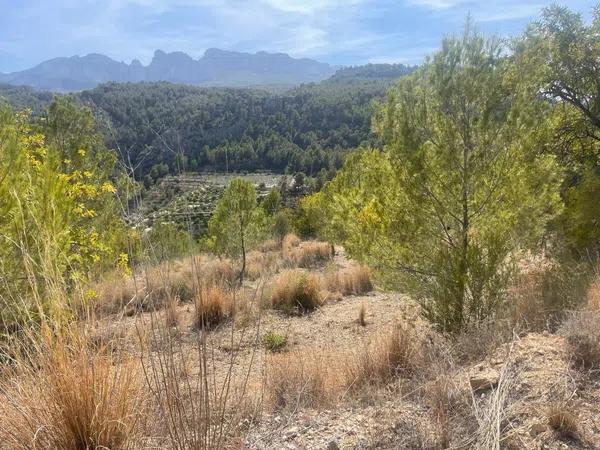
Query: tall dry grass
{"points": [[64, 394], [310, 254], [211, 307], [201, 403], [300, 379], [290, 242], [295, 291], [355, 280], [388, 355]]}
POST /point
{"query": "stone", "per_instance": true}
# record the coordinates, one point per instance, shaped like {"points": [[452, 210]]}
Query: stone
{"points": [[333, 445], [483, 377], [537, 429]]}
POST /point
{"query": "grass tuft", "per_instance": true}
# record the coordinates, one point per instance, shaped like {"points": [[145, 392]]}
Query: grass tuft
{"points": [[295, 290], [211, 307], [564, 420]]}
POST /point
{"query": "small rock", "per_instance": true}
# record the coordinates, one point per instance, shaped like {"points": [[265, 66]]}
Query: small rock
{"points": [[483, 377], [537, 429], [333, 445]]}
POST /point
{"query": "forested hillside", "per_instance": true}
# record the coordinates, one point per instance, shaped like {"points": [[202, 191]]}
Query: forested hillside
{"points": [[161, 128]]}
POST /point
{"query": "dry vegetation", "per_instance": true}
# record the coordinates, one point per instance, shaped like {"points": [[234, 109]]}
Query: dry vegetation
{"points": [[295, 290], [163, 366], [65, 395]]}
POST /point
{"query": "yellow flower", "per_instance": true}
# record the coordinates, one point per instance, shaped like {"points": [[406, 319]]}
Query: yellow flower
{"points": [[81, 152], [108, 187]]}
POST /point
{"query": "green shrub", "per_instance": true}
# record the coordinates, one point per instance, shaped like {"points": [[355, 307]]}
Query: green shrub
{"points": [[275, 342]]}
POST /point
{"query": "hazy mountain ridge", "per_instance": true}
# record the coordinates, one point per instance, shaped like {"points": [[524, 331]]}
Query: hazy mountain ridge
{"points": [[215, 68]]}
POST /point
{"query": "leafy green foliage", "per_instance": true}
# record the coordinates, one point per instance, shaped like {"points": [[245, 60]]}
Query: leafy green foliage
{"points": [[59, 219], [275, 342], [237, 223], [559, 56], [464, 184], [162, 127]]}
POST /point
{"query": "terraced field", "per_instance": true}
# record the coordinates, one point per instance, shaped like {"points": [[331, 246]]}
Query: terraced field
{"points": [[189, 199]]}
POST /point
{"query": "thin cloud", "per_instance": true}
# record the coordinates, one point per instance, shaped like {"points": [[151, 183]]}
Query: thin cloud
{"points": [[346, 32]]}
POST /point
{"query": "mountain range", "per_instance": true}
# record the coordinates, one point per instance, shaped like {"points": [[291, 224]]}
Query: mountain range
{"points": [[215, 68]]}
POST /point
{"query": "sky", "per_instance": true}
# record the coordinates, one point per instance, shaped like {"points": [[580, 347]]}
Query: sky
{"points": [[339, 32]]}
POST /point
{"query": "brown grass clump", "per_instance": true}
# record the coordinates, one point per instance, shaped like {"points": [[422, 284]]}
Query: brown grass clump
{"points": [[211, 307], [172, 313], [582, 333], [75, 399], [362, 315], [270, 245], [114, 292], [564, 420], [260, 264], [391, 354], [219, 271], [354, 280], [593, 294], [295, 290], [311, 254], [299, 380], [290, 241]]}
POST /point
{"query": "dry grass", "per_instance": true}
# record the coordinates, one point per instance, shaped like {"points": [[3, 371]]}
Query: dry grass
{"points": [[255, 262], [311, 254], [593, 293], [270, 245], [362, 315], [543, 291], [295, 290], [564, 420], [393, 353], [201, 403], [172, 313], [479, 340], [354, 280], [76, 399], [301, 379], [290, 241], [219, 271], [153, 287], [582, 334], [211, 307], [114, 292]]}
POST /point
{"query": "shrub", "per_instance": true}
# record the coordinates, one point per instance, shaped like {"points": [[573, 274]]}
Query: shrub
{"points": [[311, 254], [296, 290], [392, 353], [355, 280], [275, 342], [290, 241], [211, 307], [582, 333], [299, 380]]}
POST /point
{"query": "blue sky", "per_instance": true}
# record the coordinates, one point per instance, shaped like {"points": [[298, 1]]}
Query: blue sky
{"points": [[336, 31]]}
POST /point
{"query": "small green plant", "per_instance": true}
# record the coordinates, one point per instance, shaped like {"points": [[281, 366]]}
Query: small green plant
{"points": [[275, 342]]}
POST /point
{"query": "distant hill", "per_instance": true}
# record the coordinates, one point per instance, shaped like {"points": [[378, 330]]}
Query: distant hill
{"points": [[306, 128], [215, 68], [370, 73]]}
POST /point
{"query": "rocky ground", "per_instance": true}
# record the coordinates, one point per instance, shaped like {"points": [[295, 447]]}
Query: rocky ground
{"points": [[507, 399]]}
